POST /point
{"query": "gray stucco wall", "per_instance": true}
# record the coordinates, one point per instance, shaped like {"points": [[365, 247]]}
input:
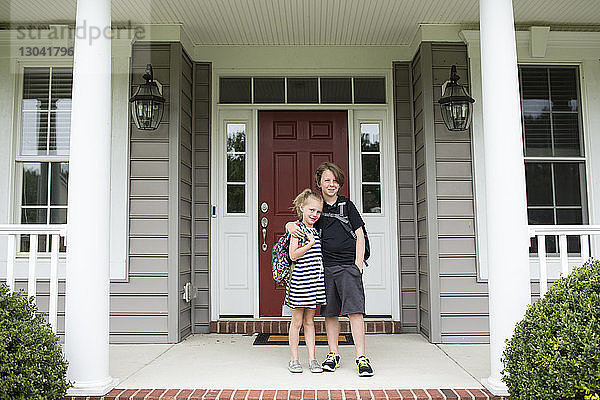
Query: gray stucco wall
{"points": [[406, 196], [201, 195]]}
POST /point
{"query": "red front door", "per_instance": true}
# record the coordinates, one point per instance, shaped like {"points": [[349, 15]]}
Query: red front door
{"points": [[291, 146]]}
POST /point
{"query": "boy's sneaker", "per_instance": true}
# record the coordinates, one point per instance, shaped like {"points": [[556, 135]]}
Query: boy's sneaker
{"points": [[332, 361], [364, 367], [315, 367], [294, 366]]}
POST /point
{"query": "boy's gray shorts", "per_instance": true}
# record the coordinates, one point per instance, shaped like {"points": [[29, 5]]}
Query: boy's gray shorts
{"points": [[344, 291]]}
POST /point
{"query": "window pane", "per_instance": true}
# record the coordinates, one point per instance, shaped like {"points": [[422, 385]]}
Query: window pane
{"points": [[234, 90], [371, 196], [36, 82], [370, 168], [35, 184], [369, 90], [567, 184], [58, 215], [564, 89], [336, 90], [269, 90], [34, 216], [236, 168], [59, 178], [236, 198], [569, 216], [34, 133], [566, 134], [302, 90], [543, 216], [60, 133], [538, 140], [534, 90], [236, 137], [539, 184], [62, 86], [369, 137]]}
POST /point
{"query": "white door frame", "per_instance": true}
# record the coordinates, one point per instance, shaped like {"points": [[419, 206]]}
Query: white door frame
{"points": [[249, 112]]}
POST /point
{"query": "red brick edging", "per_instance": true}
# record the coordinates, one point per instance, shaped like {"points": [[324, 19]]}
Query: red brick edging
{"points": [[279, 326], [245, 394]]}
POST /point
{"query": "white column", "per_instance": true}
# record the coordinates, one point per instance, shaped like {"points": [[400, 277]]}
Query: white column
{"points": [[507, 236], [88, 265]]}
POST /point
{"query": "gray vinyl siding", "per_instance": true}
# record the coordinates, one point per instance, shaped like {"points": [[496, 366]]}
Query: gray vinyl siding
{"points": [[185, 192], [450, 295], [145, 294], [406, 197], [425, 214], [201, 196]]}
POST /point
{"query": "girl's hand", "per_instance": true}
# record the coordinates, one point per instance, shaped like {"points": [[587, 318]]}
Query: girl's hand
{"points": [[311, 239], [293, 229]]}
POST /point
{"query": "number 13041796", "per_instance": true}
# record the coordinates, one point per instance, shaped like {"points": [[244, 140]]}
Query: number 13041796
{"points": [[48, 51]]}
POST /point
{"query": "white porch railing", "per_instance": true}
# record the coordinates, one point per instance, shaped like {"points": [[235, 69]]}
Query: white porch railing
{"points": [[562, 231], [55, 231]]}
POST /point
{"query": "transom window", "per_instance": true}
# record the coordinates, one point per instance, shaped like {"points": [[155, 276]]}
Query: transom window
{"points": [[554, 150], [302, 90], [43, 154]]}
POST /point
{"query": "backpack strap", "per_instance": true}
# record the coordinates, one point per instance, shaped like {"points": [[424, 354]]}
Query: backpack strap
{"points": [[344, 221]]}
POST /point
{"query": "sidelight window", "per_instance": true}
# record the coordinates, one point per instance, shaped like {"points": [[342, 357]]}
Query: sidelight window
{"points": [[371, 167], [236, 168]]}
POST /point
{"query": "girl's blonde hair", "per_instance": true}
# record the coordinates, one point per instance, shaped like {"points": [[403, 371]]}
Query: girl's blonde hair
{"points": [[302, 197]]}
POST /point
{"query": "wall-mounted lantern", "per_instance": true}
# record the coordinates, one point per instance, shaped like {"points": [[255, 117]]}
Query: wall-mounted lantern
{"points": [[148, 104], [456, 104]]}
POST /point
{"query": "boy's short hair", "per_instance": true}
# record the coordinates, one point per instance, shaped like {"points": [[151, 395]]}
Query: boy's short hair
{"points": [[335, 170]]}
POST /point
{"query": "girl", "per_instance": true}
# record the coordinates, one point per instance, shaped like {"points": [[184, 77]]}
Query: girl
{"points": [[307, 288]]}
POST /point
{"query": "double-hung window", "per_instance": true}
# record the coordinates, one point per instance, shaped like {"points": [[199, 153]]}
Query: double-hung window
{"points": [[42, 161], [555, 160]]}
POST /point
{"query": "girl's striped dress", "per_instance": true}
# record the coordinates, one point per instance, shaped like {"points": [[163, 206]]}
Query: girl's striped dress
{"points": [[307, 284]]}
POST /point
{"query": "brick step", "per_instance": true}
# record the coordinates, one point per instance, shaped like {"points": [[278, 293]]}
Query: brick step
{"points": [[231, 394], [251, 326]]}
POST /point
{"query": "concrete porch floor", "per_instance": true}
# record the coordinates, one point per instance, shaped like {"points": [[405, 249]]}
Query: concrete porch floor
{"points": [[231, 361]]}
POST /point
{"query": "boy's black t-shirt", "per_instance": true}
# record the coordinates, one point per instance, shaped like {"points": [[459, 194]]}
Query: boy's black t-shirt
{"points": [[336, 244]]}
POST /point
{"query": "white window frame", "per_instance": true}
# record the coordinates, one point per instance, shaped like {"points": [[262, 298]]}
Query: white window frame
{"points": [[17, 159], [563, 49]]}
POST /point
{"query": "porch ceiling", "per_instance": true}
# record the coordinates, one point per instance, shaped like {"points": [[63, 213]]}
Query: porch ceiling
{"points": [[304, 22]]}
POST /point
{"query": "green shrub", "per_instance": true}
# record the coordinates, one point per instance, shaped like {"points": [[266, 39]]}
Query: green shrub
{"points": [[31, 361], [555, 350]]}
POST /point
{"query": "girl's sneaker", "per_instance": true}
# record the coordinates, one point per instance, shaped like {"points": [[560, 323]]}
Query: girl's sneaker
{"points": [[332, 361], [315, 367], [294, 366], [364, 367]]}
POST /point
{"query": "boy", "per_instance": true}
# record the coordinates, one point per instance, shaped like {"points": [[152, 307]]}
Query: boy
{"points": [[343, 259]]}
